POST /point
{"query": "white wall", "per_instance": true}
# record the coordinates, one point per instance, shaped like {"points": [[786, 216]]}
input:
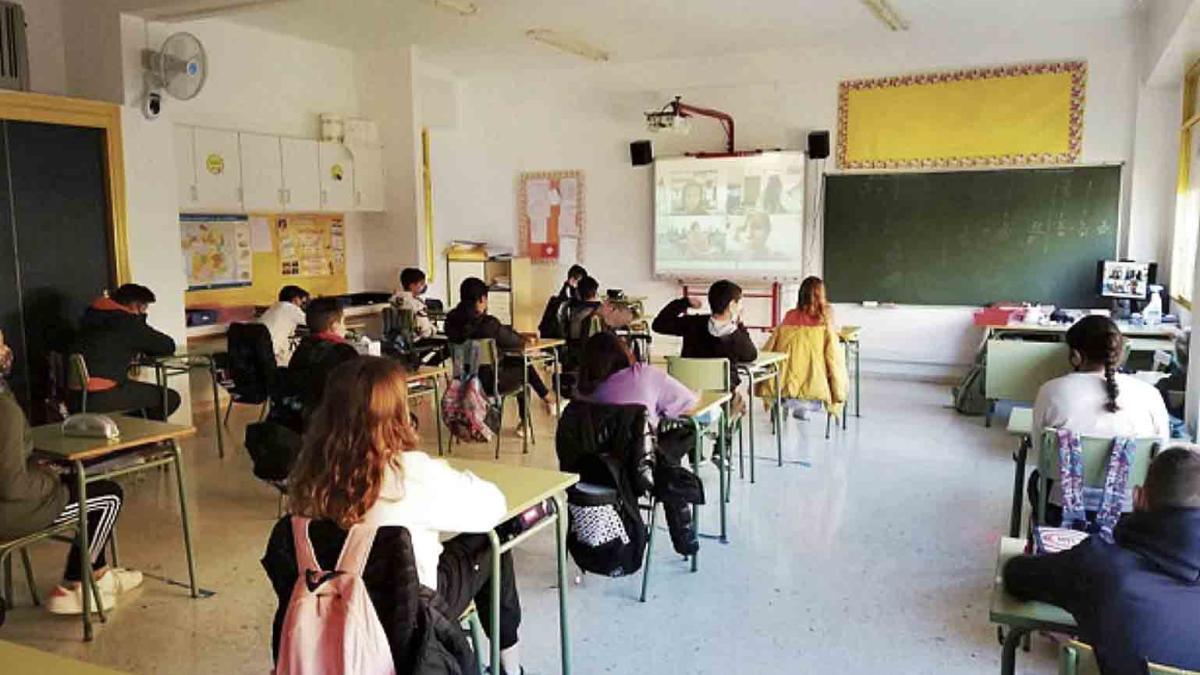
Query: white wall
{"points": [[47, 51], [585, 117]]}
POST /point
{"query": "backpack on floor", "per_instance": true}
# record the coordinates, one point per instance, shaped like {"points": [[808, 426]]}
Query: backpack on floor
{"points": [[330, 627], [969, 396], [466, 410]]}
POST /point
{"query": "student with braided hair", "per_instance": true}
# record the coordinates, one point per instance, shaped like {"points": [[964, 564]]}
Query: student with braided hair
{"points": [[1096, 400]]}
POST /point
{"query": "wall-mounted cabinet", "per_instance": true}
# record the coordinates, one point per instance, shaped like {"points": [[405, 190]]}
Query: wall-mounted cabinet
{"points": [[231, 172]]}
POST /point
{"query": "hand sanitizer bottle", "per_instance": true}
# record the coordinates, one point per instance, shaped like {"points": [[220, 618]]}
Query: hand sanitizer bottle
{"points": [[1154, 311]]}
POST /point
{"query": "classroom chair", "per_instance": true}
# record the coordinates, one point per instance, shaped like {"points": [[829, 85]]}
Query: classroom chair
{"points": [[77, 379], [1095, 451], [487, 355], [712, 375], [253, 371], [1077, 658], [470, 616], [65, 532], [400, 336], [1016, 369]]}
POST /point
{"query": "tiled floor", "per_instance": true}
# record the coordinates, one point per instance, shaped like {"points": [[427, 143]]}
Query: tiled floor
{"points": [[876, 559]]}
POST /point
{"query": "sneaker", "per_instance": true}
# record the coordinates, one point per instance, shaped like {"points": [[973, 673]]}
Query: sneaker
{"points": [[800, 413], [118, 580], [69, 601], [520, 431]]}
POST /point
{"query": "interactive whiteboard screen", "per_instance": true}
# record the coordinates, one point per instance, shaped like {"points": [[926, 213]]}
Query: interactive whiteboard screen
{"points": [[735, 217]]}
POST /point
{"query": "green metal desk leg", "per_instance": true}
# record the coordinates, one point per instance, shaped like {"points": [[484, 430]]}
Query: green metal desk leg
{"points": [[750, 421], [212, 373], [183, 516], [1014, 522], [564, 633], [649, 549], [778, 416], [86, 579], [160, 376], [557, 377], [528, 406], [494, 619], [437, 414], [722, 471], [696, 507]]}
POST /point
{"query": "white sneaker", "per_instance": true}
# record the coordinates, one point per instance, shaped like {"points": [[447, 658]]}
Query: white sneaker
{"points": [[69, 601], [118, 580], [520, 431]]}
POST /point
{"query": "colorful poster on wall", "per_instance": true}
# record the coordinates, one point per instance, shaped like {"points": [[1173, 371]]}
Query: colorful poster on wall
{"points": [[217, 251], [311, 246], [550, 216]]}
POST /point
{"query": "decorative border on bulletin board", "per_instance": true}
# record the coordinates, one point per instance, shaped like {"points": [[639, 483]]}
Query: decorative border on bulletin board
{"points": [[1076, 69], [558, 237]]}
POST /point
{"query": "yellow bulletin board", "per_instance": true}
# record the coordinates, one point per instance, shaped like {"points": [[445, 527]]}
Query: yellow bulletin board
{"points": [[302, 249], [1005, 116]]}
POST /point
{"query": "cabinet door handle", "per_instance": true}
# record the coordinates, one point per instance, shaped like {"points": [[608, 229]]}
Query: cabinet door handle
{"points": [[324, 197], [240, 195], [358, 198], [195, 194]]}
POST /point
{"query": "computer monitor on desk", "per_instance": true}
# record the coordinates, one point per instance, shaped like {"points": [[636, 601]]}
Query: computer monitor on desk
{"points": [[1124, 283]]}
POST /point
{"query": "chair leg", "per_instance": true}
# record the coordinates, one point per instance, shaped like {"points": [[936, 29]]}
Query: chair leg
{"points": [[262, 413], [477, 641], [112, 547], [502, 427], [228, 409], [649, 548], [8, 578], [828, 424], [33, 590]]}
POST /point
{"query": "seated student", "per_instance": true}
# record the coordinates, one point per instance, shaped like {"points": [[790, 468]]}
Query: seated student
{"points": [[815, 377], [608, 373], [1137, 598], [469, 320], [812, 309], [717, 335], [412, 287], [550, 326], [360, 465], [323, 349], [282, 319], [1095, 400], [32, 497], [112, 335], [580, 312]]}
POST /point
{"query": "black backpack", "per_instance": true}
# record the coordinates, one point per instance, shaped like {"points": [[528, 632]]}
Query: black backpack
{"points": [[607, 534]]}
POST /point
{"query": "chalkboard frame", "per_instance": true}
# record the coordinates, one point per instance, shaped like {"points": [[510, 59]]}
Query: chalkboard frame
{"points": [[1080, 277]]}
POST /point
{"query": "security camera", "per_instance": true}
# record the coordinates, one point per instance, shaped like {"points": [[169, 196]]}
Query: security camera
{"points": [[152, 105]]}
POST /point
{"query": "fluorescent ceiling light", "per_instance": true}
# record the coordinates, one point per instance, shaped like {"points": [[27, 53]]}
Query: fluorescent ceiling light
{"points": [[459, 7], [883, 10], [566, 43], [202, 9]]}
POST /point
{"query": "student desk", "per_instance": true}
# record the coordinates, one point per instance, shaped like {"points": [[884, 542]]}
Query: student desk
{"points": [[139, 449], [768, 366], [1020, 616], [710, 403], [166, 367], [1020, 357], [20, 660], [538, 351], [849, 336], [424, 382], [524, 487]]}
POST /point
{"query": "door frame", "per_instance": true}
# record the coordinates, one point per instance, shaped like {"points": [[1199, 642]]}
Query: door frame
{"points": [[28, 107]]}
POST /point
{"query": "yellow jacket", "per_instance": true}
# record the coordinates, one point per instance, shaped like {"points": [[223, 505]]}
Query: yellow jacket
{"points": [[815, 369]]}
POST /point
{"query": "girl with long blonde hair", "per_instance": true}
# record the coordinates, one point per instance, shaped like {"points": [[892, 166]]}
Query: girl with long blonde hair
{"points": [[812, 309]]}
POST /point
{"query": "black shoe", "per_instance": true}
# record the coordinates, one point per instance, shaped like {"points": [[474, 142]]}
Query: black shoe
{"points": [[682, 528]]}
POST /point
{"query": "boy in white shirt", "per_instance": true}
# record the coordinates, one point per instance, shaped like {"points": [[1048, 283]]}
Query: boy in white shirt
{"points": [[408, 297], [282, 319]]}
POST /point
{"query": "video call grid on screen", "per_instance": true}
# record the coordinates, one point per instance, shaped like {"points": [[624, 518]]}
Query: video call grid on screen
{"points": [[737, 216]]}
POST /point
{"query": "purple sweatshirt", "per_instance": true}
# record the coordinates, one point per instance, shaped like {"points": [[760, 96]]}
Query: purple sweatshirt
{"points": [[663, 395]]}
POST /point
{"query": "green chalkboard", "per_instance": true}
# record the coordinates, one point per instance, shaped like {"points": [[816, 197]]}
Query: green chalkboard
{"points": [[970, 237]]}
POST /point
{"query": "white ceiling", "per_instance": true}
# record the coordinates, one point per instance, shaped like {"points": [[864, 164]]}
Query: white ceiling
{"points": [[635, 30]]}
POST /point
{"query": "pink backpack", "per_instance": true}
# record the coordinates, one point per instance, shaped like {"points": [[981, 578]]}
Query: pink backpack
{"points": [[330, 627]]}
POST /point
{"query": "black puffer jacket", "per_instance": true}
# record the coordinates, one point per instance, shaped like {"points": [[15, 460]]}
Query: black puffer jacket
{"points": [[620, 432], [424, 641], [112, 336]]}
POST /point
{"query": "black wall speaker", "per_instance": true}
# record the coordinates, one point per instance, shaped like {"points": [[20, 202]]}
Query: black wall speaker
{"points": [[818, 145], [641, 153]]}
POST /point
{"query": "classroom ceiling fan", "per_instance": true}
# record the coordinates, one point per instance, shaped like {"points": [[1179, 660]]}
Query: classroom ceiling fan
{"points": [[179, 67]]}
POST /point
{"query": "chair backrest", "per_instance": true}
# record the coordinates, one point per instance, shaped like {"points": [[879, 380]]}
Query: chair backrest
{"points": [[1095, 451], [77, 372], [1016, 369], [252, 363], [700, 374], [486, 354], [1077, 658]]}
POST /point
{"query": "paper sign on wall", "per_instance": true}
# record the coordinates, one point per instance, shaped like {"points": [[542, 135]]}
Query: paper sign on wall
{"points": [[550, 210]]}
